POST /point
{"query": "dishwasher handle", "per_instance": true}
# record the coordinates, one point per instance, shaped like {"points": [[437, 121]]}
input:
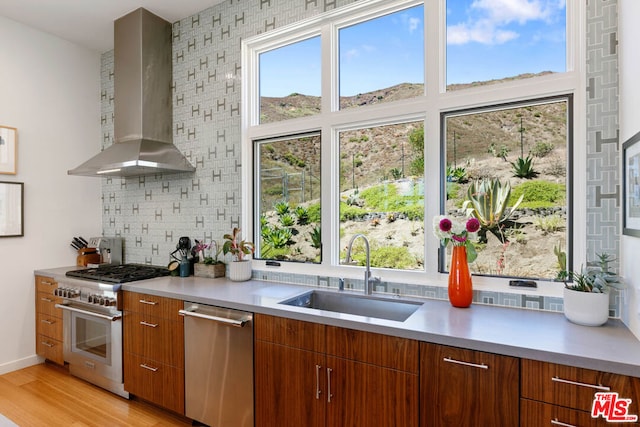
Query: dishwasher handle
{"points": [[237, 323]]}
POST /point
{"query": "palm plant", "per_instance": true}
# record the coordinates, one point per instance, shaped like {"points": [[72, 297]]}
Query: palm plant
{"points": [[488, 201]]}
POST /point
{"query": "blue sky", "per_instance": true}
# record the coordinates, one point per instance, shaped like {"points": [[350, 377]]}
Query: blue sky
{"points": [[486, 39]]}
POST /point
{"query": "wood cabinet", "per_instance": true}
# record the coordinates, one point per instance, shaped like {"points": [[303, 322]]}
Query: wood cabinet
{"points": [[316, 375], [460, 387], [153, 334], [563, 395], [49, 331]]}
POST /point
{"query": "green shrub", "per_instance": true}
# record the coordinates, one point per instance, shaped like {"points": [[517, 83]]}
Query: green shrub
{"points": [[387, 257], [396, 173], [276, 237], [348, 213], [314, 213], [487, 200], [542, 149], [539, 194], [549, 223]]}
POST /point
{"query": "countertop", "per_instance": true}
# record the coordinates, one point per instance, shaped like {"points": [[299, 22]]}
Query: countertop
{"points": [[515, 332]]}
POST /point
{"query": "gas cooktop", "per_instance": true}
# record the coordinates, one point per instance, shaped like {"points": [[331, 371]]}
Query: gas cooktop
{"points": [[119, 273]]}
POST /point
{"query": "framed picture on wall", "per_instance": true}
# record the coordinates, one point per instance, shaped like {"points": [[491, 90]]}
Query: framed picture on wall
{"points": [[8, 150], [631, 186], [11, 209]]}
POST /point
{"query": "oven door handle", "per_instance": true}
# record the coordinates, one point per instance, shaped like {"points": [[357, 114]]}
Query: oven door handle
{"points": [[90, 313]]}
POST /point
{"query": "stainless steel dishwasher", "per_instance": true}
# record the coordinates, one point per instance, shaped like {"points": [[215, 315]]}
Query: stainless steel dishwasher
{"points": [[218, 365]]}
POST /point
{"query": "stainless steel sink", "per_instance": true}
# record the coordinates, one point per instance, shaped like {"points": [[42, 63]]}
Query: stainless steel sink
{"points": [[359, 305]]}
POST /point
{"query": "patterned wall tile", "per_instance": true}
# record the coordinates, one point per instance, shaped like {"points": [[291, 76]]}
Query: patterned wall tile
{"points": [[152, 212]]}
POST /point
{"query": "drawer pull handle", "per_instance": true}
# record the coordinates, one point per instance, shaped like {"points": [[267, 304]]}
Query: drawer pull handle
{"points": [[318, 391], [144, 301], [46, 282], [460, 362], [151, 325], [329, 395], [48, 322], [555, 422], [597, 387], [48, 344], [150, 368], [46, 299]]}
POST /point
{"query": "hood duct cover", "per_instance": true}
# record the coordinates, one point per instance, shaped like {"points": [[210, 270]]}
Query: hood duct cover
{"points": [[143, 116]]}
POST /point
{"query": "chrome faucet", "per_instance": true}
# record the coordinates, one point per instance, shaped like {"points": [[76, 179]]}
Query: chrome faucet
{"points": [[368, 280]]}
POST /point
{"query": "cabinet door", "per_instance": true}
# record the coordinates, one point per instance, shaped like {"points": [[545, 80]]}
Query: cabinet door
{"points": [[154, 382], [461, 387], [535, 414], [154, 338], [575, 387], [289, 386], [361, 394]]}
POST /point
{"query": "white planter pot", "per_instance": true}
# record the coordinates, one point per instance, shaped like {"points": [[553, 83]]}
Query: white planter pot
{"points": [[586, 308], [240, 271]]}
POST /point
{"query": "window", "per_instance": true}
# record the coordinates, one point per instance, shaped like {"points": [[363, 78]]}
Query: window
{"points": [[288, 182], [522, 148], [290, 81], [489, 41], [387, 166], [382, 193], [382, 59]]}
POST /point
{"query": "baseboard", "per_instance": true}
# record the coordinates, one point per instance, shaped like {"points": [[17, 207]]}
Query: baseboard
{"points": [[14, 365]]}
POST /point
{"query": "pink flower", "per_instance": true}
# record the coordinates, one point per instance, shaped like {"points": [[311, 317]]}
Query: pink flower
{"points": [[445, 225], [473, 225]]}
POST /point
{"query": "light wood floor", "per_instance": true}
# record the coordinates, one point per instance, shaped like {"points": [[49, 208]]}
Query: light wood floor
{"points": [[46, 395]]}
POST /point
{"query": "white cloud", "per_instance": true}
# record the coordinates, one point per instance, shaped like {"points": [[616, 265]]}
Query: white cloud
{"points": [[487, 19], [414, 24]]}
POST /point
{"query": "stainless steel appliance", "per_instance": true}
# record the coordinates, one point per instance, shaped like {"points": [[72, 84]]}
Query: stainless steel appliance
{"points": [[92, 321], [143, 110], [109, 248], [218, 365]]}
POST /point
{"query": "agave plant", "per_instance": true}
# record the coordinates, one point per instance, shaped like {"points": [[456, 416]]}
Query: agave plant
{"points": [[523, 168], [488, 200]]}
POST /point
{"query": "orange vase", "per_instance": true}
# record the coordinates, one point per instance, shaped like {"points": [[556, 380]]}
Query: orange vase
{"points": [[460, 288]]}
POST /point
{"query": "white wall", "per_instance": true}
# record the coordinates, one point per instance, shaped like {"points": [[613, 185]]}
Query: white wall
{"points": [[629, 33], [50, 92]]}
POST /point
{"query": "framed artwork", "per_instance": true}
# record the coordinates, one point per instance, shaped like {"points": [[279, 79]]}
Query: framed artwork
{"points": [[631, 186], [8, 150], [11, 209]]}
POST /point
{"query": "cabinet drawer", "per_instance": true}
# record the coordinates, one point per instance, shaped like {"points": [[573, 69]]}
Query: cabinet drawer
{"points": [[154, 382], [46, 304], [45, 284], [50, 349], [154, 338], [574, 387], [381, 350], [153, 305], [535, 414], [49, 326], [289, 332]]}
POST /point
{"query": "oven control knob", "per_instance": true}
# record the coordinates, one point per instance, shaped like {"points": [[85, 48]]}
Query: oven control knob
{"points": [[91, 298]]}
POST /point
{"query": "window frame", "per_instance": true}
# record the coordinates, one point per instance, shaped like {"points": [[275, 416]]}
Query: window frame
{"points": [[429, 107]]}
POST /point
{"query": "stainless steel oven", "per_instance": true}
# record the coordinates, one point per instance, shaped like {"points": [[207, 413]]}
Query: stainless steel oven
{"points": [[93, 339], [92, 321]]}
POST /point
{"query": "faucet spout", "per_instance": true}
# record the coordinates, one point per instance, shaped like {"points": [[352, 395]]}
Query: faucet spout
{"points": [[368, 281]]}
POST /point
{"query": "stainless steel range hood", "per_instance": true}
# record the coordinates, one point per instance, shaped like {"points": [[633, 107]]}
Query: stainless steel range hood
{"points": [[143, 117]]}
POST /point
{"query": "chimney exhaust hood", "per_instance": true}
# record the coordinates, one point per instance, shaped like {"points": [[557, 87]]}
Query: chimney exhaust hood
{"points": [[143, 116]]}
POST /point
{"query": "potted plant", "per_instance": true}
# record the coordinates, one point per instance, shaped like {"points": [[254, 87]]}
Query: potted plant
{"points": [[586, 293], [240, 266], [209, 265]]}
